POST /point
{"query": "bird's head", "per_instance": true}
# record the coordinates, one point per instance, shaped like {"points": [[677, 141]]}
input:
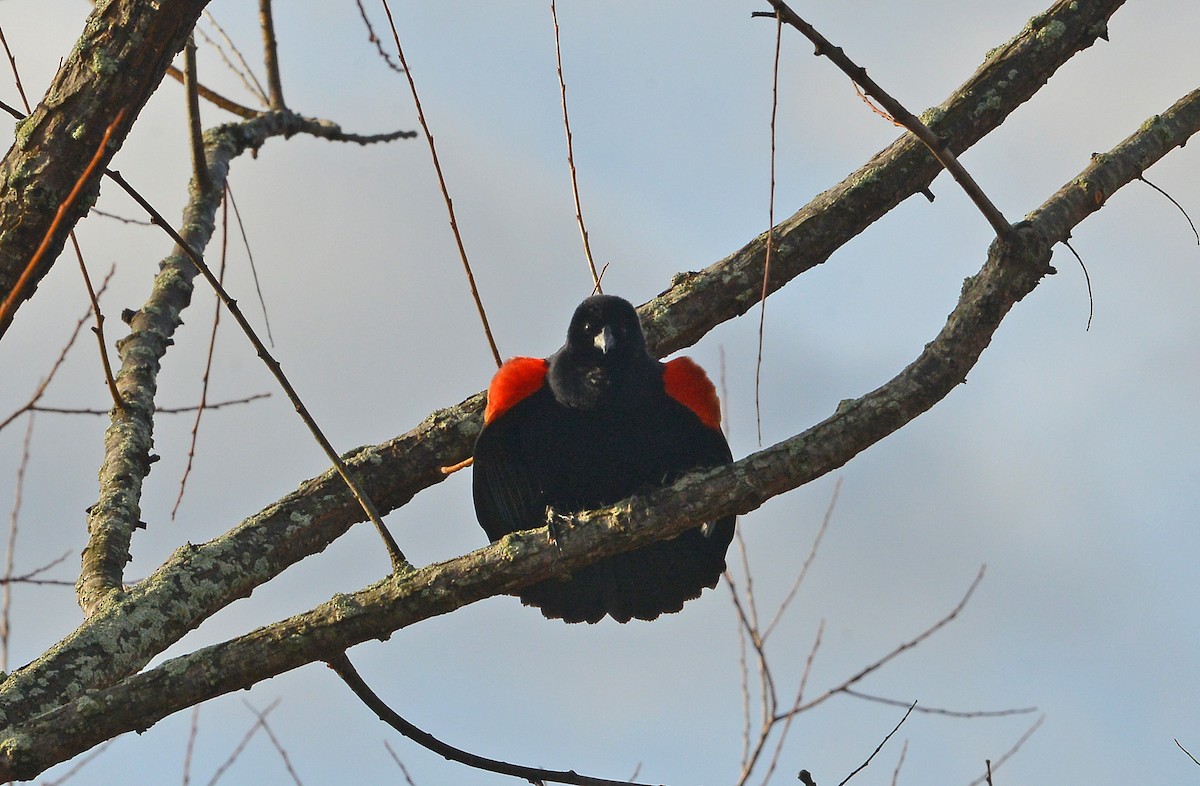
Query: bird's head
{"points": [[606, 331]]}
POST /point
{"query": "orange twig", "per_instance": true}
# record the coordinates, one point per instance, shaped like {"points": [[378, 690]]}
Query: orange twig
{"points": [[13, 296]]}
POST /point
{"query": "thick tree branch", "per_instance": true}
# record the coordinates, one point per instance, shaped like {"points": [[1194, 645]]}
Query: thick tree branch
{"points": [[117, 512], [138, 624], [1011, 75], [118, 62], [1012, 270]]}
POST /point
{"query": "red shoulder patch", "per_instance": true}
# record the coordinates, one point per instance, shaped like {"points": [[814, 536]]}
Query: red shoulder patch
{"points": [[516, 379], [687, 383]]}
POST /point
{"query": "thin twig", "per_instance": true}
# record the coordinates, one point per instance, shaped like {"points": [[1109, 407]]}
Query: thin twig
{"points": [[193, 733], [808, 561], [374, 39], [195, 133], [98, 330], [343, 668], [262, 302], [403, 770], [157, 410], [562, 90], [937, 147], [12, 62], [98, 212], [790, 716], [212, 345], [213, 97], [399, 563], [15, 295], [879, 747], [994, 764], [902, 648], [437, 166], [899, 763], [270, 55], [940, 711], [287, 762], [762, 310], [31, 405], [10, 552], [243, 71], [1176, 204], [1189, 753], [241, 746], [1087, 279]]}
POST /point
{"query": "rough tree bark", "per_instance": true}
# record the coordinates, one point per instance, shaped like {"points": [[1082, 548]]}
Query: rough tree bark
{"points": [[118, 62]]}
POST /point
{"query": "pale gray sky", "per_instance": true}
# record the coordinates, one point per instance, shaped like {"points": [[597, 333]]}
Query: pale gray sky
{"points": [[1067, 464]]}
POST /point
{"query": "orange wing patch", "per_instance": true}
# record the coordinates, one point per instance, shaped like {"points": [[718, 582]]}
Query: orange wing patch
{"points": [[687, 383], [516, 379]]}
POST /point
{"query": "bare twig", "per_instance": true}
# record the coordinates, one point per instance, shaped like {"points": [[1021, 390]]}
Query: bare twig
{"points": [[437, 166], [241, 746], [241, 68], [213, 97], [241, 225], [940, 711], [287, 762], [270, 55], [32, 404], [403, 770], [212, 345], [808, 561], [994, 764], [193, 733], [899, 763], [140, 222], [190, 89], [1189, 753], [879, 747], [790, 716], [562, 90], [762, 310], [15, 295], [899, 114], [1191, 223], [343, 668], [99, 328], [902, 648], [157, 410], [12, 62], [10, 552], [1087, 279], [399, 563], [374, 39]]}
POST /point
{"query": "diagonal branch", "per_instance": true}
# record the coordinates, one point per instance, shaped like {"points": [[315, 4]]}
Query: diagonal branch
{"points": [[899, 114], [112, 519], [1012, 270], [1011, 75], [135, 39], [319, 512]]}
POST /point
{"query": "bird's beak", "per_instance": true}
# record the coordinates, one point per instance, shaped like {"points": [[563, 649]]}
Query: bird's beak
{"points": [[604, 340]]}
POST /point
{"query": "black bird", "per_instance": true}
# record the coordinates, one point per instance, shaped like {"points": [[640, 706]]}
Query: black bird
{"points": [[598, 421]]}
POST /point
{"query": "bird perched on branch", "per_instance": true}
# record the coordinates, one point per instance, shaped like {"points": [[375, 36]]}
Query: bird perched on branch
{"points": [[594, 423]]}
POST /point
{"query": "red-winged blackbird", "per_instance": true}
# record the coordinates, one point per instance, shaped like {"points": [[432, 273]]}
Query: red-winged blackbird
{"points": [[598, 421]]}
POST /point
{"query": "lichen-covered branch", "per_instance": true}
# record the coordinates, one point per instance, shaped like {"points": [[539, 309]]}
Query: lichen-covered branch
{"points": [[119, 60], [1011, 75], [1012, 270], [129, 439], [124, 635]]}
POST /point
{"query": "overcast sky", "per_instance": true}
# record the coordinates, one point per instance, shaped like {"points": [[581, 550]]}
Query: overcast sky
{"points": [[1067, 464]]}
